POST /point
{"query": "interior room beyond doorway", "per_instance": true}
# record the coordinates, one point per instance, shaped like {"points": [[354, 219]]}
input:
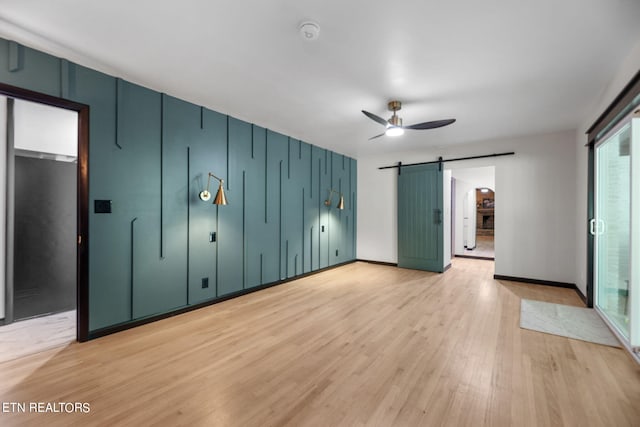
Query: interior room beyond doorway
{"points": [[39, 261], [473, 204]]}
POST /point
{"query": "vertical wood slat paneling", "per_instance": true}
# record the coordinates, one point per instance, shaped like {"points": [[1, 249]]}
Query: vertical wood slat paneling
{"points": [[208, 147], [118, 109], [16, 57], [160, 279], [189, 228], [109, 282], [315, 210], [353, 206], [132, 266], [244, 221], [67, 79], [276, 146], [323, 191], [161, 180], [143, 145], [207, 142], [29, 69], [309, 211], [257, 233], [231, 238], [181, 134], [293, 184], [338, 219], [280, 237]]}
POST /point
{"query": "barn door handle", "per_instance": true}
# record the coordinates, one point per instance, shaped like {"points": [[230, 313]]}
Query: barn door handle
{"points": [[437, 216]]}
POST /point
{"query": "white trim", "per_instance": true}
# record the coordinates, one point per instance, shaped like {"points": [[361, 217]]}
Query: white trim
{"points": [[634, 251]]}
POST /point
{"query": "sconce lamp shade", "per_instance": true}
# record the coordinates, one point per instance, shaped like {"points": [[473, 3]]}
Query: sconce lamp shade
{"points": [[220, 198], [340, 202]]}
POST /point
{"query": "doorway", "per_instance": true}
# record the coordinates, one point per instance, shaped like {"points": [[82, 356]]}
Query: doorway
{"points": [[45, 209], [473, 212], [480, 224]]}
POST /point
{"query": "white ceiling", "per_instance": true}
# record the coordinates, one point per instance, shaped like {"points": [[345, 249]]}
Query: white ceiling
{"points": [[500, 67]]}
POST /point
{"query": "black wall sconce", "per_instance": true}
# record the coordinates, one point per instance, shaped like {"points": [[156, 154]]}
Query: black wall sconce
{"points": [[220, 198], [340, 202]]}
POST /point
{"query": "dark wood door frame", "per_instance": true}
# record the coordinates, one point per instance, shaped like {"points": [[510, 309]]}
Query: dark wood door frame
{"points": [[82, 262]]}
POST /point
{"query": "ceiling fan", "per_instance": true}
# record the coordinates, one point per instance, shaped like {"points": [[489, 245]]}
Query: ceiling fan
{"points": [[394, 124]]}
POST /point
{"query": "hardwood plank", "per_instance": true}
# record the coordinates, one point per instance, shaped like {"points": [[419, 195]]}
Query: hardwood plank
{"points": [[359, 345]]}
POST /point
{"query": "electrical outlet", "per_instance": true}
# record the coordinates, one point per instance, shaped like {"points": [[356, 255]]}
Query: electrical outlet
{"points": [[205, 282], [336, 252]]}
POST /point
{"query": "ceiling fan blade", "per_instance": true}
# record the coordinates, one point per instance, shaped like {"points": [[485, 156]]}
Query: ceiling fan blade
{"points": [[431, 125], [375, 118], [377, 136]]}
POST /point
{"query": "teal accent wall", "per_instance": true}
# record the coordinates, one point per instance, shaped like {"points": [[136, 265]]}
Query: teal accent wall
{"points": [[150, 154]]}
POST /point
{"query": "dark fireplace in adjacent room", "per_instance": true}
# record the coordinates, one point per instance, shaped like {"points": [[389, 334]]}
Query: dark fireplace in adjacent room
{"points": [[485, 199], [487, 222], [485, 225]]}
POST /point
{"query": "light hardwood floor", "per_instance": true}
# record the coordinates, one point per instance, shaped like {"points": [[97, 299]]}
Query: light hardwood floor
{"points": [[484, 248], [359, 345]]}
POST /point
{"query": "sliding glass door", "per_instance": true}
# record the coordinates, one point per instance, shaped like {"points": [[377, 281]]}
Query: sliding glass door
{"points": [[615, 227]]}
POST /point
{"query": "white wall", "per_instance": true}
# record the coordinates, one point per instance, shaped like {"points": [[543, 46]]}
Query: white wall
{"points": [[3, 198], [466, 180], [446, 216], [45, 129], [535, 211], [625, 73]]}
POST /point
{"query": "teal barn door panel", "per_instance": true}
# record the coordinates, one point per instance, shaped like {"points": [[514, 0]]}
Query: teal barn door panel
{"points": [[30, 69], [257, 233], [231, 217], [207, 153], [109, 272], [420, 222], [272, 258]]}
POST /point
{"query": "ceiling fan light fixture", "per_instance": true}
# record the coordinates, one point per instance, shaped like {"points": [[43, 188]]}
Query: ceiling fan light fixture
{"points": [[394, 126], [394, 131]]}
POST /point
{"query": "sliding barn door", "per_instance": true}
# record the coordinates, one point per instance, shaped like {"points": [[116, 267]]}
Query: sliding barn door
{"points": [[420, 226]]}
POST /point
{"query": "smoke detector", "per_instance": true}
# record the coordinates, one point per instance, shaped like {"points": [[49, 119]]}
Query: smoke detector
{"points": [[309, 30]]}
